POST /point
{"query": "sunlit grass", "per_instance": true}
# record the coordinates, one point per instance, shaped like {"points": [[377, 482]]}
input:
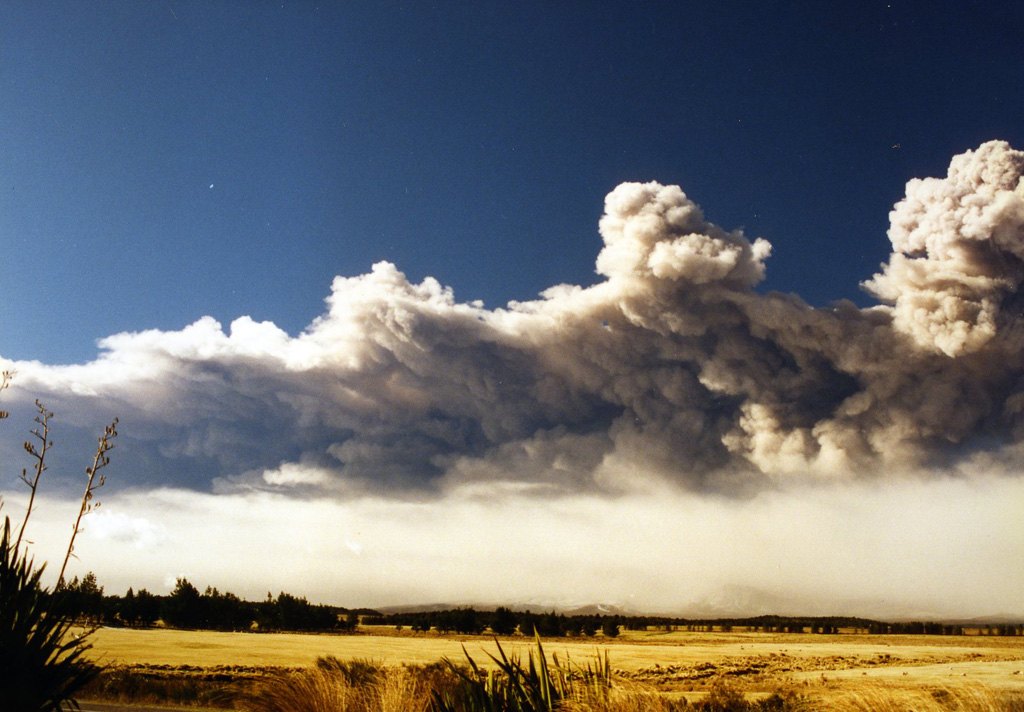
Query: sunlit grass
{"points": [[961, 697]]}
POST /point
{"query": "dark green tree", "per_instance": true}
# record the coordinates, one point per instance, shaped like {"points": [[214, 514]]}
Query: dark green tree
{"points": [[183, 608], [87, 596], [226, 611], [294, 613], [550, 625], [588, 627], [146, 608], [467, 621], [503, 622]]}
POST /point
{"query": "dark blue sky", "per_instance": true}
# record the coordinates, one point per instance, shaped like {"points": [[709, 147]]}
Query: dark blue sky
{"points": [[162, 161]]}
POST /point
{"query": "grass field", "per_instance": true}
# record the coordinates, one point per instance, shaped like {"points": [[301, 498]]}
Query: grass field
{"points": [[677, 663]]}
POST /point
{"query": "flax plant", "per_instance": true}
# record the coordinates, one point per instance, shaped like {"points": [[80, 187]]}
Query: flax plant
{"points": [[42, 664], [535, 686]]}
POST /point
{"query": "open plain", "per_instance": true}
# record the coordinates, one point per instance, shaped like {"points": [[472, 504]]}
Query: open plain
{"points": [[674, 662]]}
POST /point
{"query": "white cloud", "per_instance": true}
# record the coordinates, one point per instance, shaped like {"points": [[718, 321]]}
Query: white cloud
{"points": [[122, 528], [290, 474]]}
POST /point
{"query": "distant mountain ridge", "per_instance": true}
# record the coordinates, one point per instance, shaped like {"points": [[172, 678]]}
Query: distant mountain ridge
{"points": [[590, 609], [731, 602]]}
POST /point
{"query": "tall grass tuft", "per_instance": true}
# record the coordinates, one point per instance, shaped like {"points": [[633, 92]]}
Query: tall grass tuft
{"points": [[334, 685], [312, 690], [356, 673], [958, 698]]}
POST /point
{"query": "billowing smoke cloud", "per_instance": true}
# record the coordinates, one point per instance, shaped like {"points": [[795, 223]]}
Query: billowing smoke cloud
{"points": [[958, 260], [671, 370]]}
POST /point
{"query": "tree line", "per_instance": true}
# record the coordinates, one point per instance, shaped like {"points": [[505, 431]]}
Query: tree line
{"points": [[186, 607], [504, 621], [501, 621]]}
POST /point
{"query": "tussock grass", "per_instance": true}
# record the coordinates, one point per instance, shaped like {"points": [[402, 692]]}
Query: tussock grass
{"points": [[334, 685], [959, 698]]}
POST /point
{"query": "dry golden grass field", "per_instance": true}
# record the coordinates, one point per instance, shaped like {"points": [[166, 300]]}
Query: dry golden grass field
{"points": [[673, 662]]}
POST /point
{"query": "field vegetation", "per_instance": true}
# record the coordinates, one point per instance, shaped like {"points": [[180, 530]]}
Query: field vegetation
{"points": [[650, 669]]}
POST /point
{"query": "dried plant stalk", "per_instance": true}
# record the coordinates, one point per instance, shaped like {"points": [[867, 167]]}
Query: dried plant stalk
{"points": [[43, 418], [98, 463]]}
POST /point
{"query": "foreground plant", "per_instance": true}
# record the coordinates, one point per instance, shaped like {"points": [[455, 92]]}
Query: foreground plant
{"points": [[42, 663], [533, 687]]}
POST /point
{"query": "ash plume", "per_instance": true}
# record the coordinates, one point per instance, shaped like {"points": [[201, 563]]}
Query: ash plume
{"points": [[671, 370]]}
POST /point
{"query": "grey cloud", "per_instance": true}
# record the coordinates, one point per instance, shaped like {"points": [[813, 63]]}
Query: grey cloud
{"points": [[671, 369]]}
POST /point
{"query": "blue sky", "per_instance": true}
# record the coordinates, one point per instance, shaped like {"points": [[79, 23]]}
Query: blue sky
{"points": [[473, 142], [257, 233]]}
